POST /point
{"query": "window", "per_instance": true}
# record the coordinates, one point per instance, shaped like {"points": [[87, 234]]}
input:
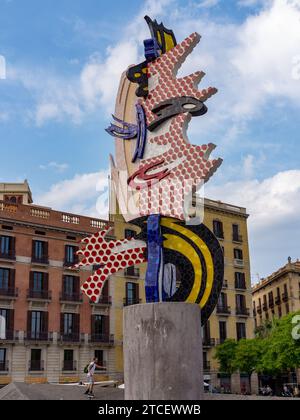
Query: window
{"points": [[223, 331], [8, 316], [129, 233], [39, 285], [236, 237], [36, 360], [2, 360], [100, 328], [206, 333], [238, 254], [240, 330], [37, 325], [271, 299], [99, 354], [70, 326], [240, 280], [40, 251], [132, 294], [69, 363], [4, 278], [70, 255], [241, 305], [218, 229], [7, 247], [70, 290], [222, 302]]}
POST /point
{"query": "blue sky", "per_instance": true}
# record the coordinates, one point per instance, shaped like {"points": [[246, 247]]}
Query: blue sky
{"points": [[63, 63]]}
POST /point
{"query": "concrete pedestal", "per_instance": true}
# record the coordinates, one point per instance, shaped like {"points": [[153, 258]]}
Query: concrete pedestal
{"points": [[163, 352]]}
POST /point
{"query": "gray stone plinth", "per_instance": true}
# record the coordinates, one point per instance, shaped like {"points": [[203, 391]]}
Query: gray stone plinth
{"points": [[163, 352]]}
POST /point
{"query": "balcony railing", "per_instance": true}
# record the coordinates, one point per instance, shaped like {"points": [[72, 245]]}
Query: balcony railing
{"points": [[238, 263], [69, 365], [44, 259], [8, 255], [102, 338], [36, 365], [206, 365], [208, 342], [130, 301], [259, 309], [71, 297], [70, 338], [9, 336], [132, 272], [237, 238], [9, 292], [70, 264], [240, 284], [285, 296], [277, 300], [39, 294], [37, 336], [4, 366], [265, 306], [271, 303], [242, 311], [223, 309]]}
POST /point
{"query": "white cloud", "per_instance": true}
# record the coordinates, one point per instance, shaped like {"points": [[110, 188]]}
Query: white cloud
{"points": [[58, 167], [208, 3], [83, 194]]}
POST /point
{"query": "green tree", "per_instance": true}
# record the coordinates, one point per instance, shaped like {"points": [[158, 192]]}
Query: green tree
{"points": [[248, 354], [225, 354]]}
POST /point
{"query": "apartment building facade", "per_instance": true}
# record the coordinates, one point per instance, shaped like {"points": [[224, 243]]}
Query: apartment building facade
{"points": [[277, 295], [49, 331]]}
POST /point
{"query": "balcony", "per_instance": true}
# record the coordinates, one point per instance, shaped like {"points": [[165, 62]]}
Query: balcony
{"points": [[238, 263], [259, 309], [277, 300], [265, 306], [223, 310], [33, 294], [43, 260], [9, 336], [240, 311], [285, 297], [131, 301], [69, 366], [70, 338], [70, 264], [237, 238], [36, 366], [240, 285], [9, 255], [103, 300], [254, 312], [107, 339], [38, 336], [71, 297], [4, 366], [206, 365], [132, 272], [208, 342], [10, 293], [271, 304]]}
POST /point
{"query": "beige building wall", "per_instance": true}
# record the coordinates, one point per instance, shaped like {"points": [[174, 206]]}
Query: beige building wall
{"points": [[278, 294]]}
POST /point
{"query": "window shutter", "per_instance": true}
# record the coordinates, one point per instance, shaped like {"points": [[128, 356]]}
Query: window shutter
{"points": [[64, 288], [76, 259], [93, 322], [46, 249], [33, 249], [12, 244], [105, 289], [137, 292], [29, 315], [76, 323], [11, 320], [12, 277], [76, 285], [31, 280], [46, 281], [106, 325], [61, 323], [45, 321]]}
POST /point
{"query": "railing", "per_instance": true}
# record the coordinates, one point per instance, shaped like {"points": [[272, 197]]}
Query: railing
{"points": [[44, 259], [70, 264], [98, 224], [69, 365], [68, 218], [39, 294], [238, 263], [71, 297], [208, 342], [37, 336], [277, 300], [4, 366], [223, 309], [40, 213], [70, 338], [104, 300], [242, 311], [265, 306], [9, 207], [259, 309], [36, 365], [240, 284], [9, 336], [102, 338], [132, 272], [129, 301], [8, 255], [9, 292], [206, 365], [285, 296], [237, 238]]}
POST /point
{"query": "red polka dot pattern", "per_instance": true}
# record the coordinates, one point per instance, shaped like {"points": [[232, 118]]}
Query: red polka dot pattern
{"points": [[192, 166], [98, 251]]}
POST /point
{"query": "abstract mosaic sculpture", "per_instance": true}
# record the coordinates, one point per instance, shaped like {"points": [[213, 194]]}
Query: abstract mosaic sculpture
{"points": [[163, 170]]}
